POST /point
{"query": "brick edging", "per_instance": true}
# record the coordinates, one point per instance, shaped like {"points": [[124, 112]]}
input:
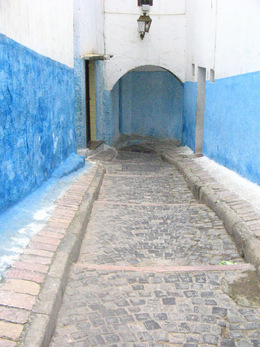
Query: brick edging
{"points": [[228, 207], [164, 269], [43, 317]]}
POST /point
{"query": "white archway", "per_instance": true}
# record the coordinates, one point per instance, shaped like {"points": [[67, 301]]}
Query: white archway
{"points": [[113, 72]]}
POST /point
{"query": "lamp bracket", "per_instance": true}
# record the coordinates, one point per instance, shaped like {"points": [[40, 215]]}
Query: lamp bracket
{"points": [[145, 9]]}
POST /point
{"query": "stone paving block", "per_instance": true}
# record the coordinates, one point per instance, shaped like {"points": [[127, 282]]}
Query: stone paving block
{"points": [[52, 234], [34, 259], [63, 213], [45, 239], [31, 267], [176, 338], [17, 300], [25, 275], [10, 330], [210, 339], [57, 224], [58, 229], [61, 223], [42, 246], [39, 252], [21, 286], [7, 343], [13, 315]]}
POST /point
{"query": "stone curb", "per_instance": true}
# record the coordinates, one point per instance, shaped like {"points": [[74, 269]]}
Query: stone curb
{"points": [[246, 241], [43, 318]]}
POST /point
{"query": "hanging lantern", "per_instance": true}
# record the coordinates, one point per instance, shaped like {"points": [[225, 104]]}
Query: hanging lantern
{"points": [[144, 24]]}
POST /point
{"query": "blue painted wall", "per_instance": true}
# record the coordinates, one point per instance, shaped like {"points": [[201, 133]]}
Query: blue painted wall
{"points": [[189, 114], [80, 102], [37, 130], [231, 122], [142, 103], [107, 107], [151, 104]]}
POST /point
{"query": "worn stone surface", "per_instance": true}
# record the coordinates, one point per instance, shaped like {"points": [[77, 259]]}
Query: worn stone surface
{"points": [[179, 235], [21, 286], [44, 313], [10, 330], [14, 315], [240, 218], [24, 282], [146, 216], [151, 308]]}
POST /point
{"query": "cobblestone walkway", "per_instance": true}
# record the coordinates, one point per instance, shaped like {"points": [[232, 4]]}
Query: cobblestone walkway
{"points": [[133, 284]]}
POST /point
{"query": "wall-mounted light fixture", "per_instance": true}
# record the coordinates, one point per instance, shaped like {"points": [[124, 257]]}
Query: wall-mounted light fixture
{"points": [[144, 21]]}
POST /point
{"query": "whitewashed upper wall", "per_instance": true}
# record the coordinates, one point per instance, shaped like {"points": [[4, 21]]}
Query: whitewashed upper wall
{"points": [[238, 37], [88, 27], [163, 46], [200, 35], [216, 34], [43, 26], [223, 35]]}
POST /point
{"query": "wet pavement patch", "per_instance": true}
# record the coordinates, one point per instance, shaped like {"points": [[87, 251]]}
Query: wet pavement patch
{"points": [[244, 289], [139, 149]]}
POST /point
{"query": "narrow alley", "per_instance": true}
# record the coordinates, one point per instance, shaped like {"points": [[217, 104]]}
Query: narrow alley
{"points": [[149, 271], [129, 173]]}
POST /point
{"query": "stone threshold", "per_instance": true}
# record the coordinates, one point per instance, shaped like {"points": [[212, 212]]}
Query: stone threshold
{"points": [[164, 269]]}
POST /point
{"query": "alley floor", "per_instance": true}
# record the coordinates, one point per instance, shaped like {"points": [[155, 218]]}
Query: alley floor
{"points": [[149, 271]]}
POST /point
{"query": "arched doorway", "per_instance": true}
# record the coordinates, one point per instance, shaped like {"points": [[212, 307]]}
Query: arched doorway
{"points": [[150, 103]]}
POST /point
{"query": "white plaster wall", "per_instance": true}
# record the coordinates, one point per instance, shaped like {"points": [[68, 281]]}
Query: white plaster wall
{"points": [[222, 35], [43, 26], [164, 45], [238, 37], [163, 7], [88, 27], [200, 35]]}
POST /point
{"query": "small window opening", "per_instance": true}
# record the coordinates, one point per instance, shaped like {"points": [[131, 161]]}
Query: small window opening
{"points": [[212, 76], [193, 69], [199, 128], [145, 2]]}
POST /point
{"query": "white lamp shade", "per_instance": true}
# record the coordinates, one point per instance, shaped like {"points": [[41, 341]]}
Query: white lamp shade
{"points": [[141, 26]]}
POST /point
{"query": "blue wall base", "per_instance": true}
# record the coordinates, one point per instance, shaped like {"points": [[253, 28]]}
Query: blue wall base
{"points": [[73, 163], [231, 123]]}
